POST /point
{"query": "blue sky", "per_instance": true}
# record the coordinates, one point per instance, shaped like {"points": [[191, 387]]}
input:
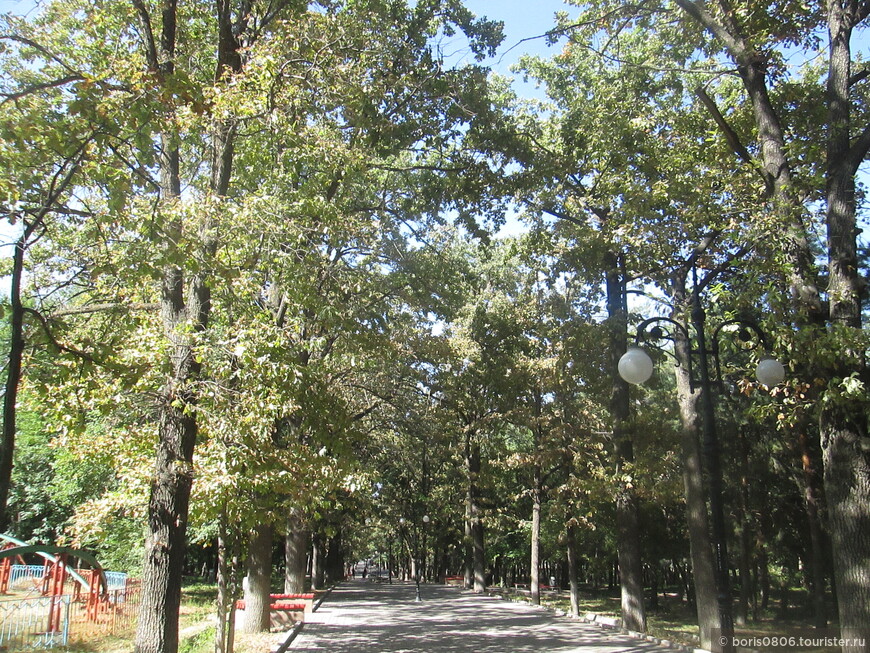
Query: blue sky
{"points": [[525, 23]]}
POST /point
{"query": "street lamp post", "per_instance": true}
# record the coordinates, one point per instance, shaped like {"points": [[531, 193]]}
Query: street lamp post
{"points": [[636, 367], [414, 550], [418, 562], [390, 559]]}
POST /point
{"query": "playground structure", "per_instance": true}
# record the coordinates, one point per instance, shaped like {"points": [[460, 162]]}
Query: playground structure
{"points": [[46, 605]]}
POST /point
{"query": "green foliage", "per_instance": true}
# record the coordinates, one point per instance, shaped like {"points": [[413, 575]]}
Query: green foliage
{"points": [[52, 487], [38, 513], [356, 342], [202, 642]]}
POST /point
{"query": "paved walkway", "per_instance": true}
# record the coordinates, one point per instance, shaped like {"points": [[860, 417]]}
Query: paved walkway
{"points": [[362, 616]]}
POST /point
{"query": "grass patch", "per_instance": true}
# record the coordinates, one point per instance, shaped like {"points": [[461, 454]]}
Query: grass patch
{"points": [[202, 642], [198, 601], [675, 619], [196, 630], [103, 645]]}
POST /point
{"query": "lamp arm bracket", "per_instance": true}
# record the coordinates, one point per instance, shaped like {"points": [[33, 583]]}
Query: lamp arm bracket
{"points": [[648, 332], [752, 325]]}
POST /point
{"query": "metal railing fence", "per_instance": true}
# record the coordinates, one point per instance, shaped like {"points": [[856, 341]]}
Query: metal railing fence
{"points": [[46, 622]]}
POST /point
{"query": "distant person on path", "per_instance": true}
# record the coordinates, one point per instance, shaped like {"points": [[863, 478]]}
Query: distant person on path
{"points": [[365, 572]]}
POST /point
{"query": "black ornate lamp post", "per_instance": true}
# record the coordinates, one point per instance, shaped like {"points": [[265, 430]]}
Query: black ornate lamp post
{"points": [[704, 372]]}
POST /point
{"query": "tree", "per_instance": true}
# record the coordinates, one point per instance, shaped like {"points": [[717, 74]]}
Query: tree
{"points": [[768, 136], [41, 166], [165, 104]]}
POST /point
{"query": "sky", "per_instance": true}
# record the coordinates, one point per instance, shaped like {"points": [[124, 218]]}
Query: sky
{"points": [[525, 24]]}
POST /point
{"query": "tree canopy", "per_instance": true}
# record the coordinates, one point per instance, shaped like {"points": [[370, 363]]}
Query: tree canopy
{"points": [[257, 273]]}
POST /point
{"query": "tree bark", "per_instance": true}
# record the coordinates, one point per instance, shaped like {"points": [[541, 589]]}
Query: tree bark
{"points": [[13, 378], [335, 559], [697, 519], [818, 551], [573, 570], [741, 616], [223, 596], [627, 526], [474, 526], [259, 582], [167, 520], [847, 490], [318, 561], [295, 552], [157, 630], [535, 563], [843, 423]]}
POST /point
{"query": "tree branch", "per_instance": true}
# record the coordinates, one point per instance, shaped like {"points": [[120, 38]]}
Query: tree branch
{"points": [[732, 42], [46, 328], [106, 308], [11, 97], [45, 51], [860, 76], [858, 152], [732, 138], [150, 43], [730, 135]]}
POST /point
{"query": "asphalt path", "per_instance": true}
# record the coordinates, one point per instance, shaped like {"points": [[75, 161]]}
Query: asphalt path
{"points": [[365, 616]]}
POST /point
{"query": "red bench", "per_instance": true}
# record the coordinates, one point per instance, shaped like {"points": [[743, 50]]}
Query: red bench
{"points": [[277, 605], [282, 614], [307, 599]]}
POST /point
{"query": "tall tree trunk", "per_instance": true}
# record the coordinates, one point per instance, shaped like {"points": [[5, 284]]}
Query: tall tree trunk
{"points": [[223, 596], [335, 559], [809, 485], [696, 520], [318, 561], [535, 565], [13, 378], [741, 616], [295, 552], [573, 569], [228, 588], [763, 577], [629, 553], [167, 509], [259, 582], [843, 422], [474, 523], [157, 630], [847, 490], [627, 527], [467, 552], [703, 569]]}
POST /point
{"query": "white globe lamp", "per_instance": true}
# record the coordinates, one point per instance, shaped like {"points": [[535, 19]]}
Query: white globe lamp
{"points": [[770, 372], [635, 366]]}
